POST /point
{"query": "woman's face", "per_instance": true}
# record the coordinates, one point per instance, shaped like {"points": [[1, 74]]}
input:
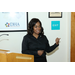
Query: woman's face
{"points": [[37, 28]]}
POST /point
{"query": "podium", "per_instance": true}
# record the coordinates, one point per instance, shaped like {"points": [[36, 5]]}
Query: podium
{"points": [[6, 56]]}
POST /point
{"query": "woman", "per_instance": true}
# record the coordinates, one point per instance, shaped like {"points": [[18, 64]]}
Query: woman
{"points": [[36, 43]]}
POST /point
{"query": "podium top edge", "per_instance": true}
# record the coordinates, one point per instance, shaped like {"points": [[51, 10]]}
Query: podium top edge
{"points": [[4, 50]]}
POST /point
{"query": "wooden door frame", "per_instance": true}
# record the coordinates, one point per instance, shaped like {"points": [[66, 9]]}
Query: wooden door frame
{"points": [[72, 58]]}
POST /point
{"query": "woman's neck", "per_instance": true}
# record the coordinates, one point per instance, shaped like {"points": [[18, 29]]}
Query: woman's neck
{"points": [[35, 35]]}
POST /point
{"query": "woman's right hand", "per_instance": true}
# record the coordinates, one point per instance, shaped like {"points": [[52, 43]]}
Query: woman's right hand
{"points": [[40, 52]]}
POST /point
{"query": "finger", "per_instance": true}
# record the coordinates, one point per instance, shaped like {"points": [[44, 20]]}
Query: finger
{"points": [[59, 38]]}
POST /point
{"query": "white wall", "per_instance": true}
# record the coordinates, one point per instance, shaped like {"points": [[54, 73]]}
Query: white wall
{"points": [[61, 54]]}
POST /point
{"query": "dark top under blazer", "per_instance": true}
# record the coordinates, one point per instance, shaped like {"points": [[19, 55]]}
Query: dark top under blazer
{"points": [[30, 45]]}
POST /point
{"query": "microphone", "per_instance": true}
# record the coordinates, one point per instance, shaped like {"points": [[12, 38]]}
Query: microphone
{"points": [[4, 34]]}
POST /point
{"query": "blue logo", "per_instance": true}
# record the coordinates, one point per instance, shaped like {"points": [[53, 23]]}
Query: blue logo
{"points": [[55, 25], [12, 24]]}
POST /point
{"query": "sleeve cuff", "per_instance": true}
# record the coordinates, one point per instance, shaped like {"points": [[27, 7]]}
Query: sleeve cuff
{"points": [[56, 44]]}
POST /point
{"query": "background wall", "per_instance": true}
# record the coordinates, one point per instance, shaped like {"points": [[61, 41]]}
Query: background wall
{"points": [[61, 54]]}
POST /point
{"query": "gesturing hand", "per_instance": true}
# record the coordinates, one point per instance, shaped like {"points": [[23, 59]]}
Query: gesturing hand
{"points": [[57, 40], [40, 52]]}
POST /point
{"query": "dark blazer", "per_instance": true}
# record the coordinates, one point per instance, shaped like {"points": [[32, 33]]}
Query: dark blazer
{"points": [[30, 45]]}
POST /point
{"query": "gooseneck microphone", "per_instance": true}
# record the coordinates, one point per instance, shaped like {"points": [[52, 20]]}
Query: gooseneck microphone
{"points": [[4, 34]]}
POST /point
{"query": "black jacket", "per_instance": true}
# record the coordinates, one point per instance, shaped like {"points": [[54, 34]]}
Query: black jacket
{"points": [[30, 45]]}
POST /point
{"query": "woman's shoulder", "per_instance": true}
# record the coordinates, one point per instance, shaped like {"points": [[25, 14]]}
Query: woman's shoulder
{"points": [[44, 36]]}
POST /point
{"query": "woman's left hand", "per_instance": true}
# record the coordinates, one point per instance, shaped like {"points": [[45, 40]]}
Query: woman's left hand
{"points": [[57, 40]]}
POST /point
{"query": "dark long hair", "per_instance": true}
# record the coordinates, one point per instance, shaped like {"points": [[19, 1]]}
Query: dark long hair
{"points": [[32, 24]]}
